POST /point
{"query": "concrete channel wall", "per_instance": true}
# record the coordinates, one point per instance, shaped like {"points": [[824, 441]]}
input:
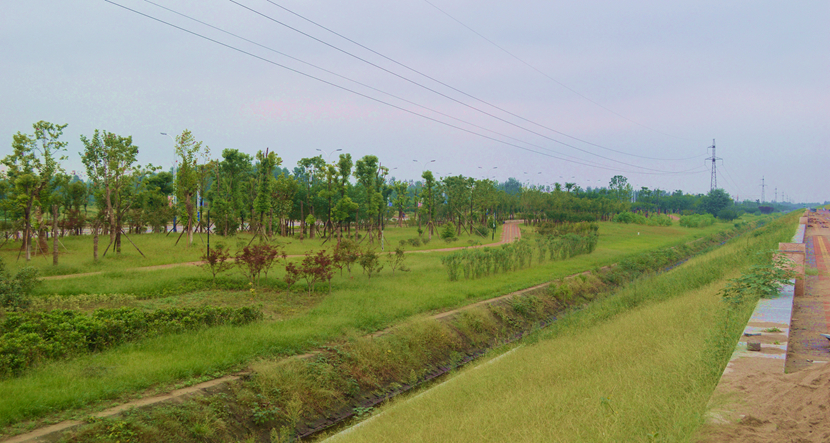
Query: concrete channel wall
{"points": [[763, 344]]}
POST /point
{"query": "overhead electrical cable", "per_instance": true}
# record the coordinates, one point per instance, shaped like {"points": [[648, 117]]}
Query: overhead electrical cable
{"points": [[359, 82], [564, 85], [242, 51], [437, 81], [730, 178]]}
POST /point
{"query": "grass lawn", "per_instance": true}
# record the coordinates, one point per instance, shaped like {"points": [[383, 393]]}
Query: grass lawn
{"points": [[161, 249], [295, 322]]}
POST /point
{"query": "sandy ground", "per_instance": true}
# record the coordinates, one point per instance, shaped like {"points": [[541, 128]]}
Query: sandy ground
{"points": [[793, 406], [779, 408]]}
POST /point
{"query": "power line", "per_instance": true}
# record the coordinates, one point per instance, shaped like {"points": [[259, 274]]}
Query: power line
{"points": [[381, 101], [562, 84], [437, 81], [359, 83]]}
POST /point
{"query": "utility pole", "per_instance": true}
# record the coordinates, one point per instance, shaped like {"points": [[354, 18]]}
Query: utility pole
{"points": [[776, 195], [763, 186], [714, 158]]}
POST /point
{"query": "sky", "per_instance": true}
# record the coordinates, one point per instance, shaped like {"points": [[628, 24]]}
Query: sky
{"points": [[542, 91]]}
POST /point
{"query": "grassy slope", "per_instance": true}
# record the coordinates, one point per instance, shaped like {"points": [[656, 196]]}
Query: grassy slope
{"points": [[353, 305], [597, 375]]}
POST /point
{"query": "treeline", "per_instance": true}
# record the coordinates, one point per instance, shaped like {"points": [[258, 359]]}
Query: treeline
{"points": [[239, 192]]}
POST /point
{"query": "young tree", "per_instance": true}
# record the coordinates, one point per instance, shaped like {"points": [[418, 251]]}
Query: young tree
{"points": [[188, 151], [429, 199], [401, 199], [109, 160], [620, 188], [262, 204], [367, 172], [31, 170]]}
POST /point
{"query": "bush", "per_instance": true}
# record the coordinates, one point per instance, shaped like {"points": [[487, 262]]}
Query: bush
{"points": [[30, 337], [727, 214], [448, 232], [14, 291], [697, 221]]}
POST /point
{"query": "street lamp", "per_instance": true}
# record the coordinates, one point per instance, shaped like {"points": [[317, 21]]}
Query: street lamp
{"points": [[329, 154], [425, 165]]}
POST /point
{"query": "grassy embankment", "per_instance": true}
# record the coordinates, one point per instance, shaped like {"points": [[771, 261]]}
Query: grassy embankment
{"points": [[353, 305], [637, 366]]}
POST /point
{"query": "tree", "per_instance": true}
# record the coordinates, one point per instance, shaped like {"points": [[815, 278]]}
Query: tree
{"points": [[715, 200], [428, 195], [401, 199], [367, 172], [227, 196], [283, 192], [109, 160], [32, 170], [263, 201], [620, 188], [187, 176]]}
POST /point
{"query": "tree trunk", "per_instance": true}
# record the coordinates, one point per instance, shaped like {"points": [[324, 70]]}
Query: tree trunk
{"points": [[95, 243], [189, 206], [54, 235], [117, 244]]}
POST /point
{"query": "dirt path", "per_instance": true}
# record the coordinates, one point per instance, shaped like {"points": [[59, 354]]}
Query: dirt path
{"points": [[510, 232]]}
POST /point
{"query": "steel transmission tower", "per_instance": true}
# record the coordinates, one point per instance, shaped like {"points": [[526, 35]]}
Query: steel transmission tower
{"points": [[714, 158], [763, 186]]}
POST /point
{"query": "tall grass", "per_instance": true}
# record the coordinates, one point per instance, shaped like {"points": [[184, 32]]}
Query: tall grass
{"points": [[637, 366]]}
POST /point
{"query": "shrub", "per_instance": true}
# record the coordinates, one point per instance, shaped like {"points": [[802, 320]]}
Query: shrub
{"points": [[316, 268], [30, 337], [448, 232], [14, 291], [727, 214], [216, 260], [346, 254], [256, 259], [697, 220], [396, 260], [370, 263]]}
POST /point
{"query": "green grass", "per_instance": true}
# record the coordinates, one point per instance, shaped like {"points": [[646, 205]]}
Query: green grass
{"points": [[637, 366], [354, 304], [161, 249]]}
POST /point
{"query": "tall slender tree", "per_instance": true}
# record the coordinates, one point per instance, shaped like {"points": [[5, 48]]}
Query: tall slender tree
{"points": [[32, 170]]}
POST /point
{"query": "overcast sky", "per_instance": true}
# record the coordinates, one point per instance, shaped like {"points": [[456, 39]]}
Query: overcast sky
{"points": [[581, 91]]}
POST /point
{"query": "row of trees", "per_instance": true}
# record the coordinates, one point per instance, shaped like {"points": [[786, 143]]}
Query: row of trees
{"points": [[255, 193]]}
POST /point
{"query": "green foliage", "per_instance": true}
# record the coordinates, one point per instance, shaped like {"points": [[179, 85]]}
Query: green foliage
{"points": [[397, 260], [481, 262], [715, 200], [763, 279], [639, 219], [370, 262], [697, 220], [727, 214], [31, 337], [448, 232], [15, 291]]}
